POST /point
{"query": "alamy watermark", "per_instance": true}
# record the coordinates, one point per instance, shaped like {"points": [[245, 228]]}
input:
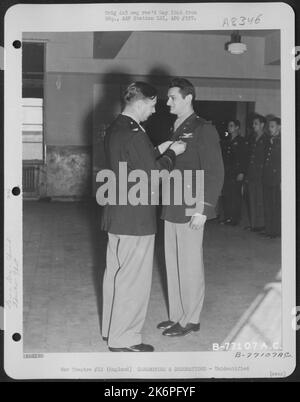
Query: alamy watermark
{"points": [[177, 188]]}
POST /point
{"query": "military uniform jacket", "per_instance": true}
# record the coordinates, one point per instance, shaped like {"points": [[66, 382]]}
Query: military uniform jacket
{"points": [[256, 158], [234, 156], [272, 167], [203, 152], [126, 141]]}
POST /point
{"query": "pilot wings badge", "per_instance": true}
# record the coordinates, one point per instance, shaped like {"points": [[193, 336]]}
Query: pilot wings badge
{"points": [[186, 135]]}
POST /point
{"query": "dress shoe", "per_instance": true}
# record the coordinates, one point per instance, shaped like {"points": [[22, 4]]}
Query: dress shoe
{"points": [[165, 324], [257, 229], [271, 236], [225, 222], [228, 222], [142, 347], [178, 330]]}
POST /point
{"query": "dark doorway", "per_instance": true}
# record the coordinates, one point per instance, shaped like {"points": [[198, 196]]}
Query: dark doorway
{"points": [[218, 112]]}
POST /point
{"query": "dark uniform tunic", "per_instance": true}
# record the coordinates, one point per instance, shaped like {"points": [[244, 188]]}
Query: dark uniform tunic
{"points": [[253, 181], [127, 142], [272, 186], [202, 153], [235, 162]]}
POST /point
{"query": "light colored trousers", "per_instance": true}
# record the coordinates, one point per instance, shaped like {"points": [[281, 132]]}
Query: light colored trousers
{"points": [[126, 288], [185, 272]]}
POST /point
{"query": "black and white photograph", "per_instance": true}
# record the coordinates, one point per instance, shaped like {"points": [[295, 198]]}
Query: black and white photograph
{"points": [[207, 280]]}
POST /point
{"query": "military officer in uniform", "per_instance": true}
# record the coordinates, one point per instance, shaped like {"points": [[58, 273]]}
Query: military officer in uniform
{"points": [[254, 185], [131, 228], [272, 180], [184, 234], [234, 158]]}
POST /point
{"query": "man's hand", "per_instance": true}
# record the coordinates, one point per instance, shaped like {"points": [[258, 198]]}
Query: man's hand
{"points": [[197, 221], [164, 146], [178, 147], [240, 177]]}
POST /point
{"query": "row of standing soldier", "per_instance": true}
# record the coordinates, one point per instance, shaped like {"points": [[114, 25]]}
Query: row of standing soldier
{"points": [[253, 170]]}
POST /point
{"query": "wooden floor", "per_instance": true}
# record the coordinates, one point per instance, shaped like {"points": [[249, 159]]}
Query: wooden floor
{"points": [[64, 260]]}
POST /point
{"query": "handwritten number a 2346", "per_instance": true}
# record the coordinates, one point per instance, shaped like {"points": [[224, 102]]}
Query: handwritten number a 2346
{"points": [[241, 21]]}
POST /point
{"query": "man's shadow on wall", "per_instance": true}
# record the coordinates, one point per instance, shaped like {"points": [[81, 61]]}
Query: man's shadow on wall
{"points": [[103, 112]]}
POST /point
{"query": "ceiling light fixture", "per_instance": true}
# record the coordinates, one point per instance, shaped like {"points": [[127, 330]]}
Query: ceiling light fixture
{"points": [[235, 46]]}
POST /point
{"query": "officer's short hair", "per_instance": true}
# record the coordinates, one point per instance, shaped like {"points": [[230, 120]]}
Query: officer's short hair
{"points": [[237, 123], [139, 90], [276, 119], [185, 87], [259, 117]]}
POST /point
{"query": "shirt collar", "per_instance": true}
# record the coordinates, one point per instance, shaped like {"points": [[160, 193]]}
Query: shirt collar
{"points": [[182, 118]]}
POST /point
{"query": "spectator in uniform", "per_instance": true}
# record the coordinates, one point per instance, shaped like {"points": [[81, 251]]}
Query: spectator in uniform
{"points": [[272, 180], [234, 158], [253, 180]]}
